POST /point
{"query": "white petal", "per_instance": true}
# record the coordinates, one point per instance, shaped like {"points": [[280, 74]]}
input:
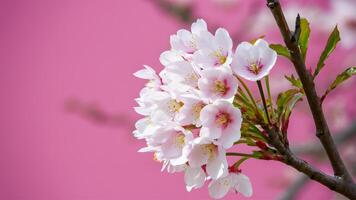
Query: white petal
{"points": [[194, 178], [198, 157], [199, 26], [210, 132], [219, 188], [223, 39], [217, 167], [169, 57], [244, 185]]}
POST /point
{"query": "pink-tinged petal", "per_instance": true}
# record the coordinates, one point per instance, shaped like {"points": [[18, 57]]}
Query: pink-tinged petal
{"points": [[223, 39], [253, 62], [198, 156], [170, 150], [219, 188], [199, 26], [217, 84], [217, 167], [260, 43], [211, 132], [194, 178], [243, 185], [207, 115], [169, 57], [228, 139], [244, 47], [203, 59]]}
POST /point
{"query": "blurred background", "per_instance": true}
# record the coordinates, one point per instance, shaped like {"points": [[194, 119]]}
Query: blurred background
{"points": [[67, 95]]}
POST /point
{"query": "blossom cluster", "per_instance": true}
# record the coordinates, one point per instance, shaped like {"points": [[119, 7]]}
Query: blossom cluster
{"points": [[189, 120]]}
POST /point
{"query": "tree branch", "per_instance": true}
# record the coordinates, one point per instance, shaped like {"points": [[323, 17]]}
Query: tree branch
{"points": [[322, 129], [294, 188], [333, 183], [312, 148]]}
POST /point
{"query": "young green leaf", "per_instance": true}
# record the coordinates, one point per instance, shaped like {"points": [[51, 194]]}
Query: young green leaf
{"points": [[304, 36], [296, 82], [334, 38], [286, 102], [281, 50], [340, 79]]}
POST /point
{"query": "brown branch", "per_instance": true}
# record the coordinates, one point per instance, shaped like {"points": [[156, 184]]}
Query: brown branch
{"points": [[333, 183], [342, 181], [322, 128], [315, 149]]}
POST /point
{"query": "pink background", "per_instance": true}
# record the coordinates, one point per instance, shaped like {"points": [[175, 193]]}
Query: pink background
{"points": [[55, 50]]}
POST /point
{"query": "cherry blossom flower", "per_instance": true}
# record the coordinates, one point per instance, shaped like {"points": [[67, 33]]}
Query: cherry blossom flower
{"points": [[206, 152], [215, 50], [217, 84], [222, 121], [184, 74], [253, 61], [237, 182], [173, 144], [187, 42], [190, 111], [188, 121]]}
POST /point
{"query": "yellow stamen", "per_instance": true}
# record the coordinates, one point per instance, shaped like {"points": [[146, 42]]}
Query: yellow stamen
{"points": [[220, 87], [180, 140], [174, 106], [222, 119], [210, 149]]}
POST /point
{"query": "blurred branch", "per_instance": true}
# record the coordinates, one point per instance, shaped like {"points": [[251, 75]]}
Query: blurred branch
{"points": [[95, 114], [291, 192], [315, 148], [182, 12]]}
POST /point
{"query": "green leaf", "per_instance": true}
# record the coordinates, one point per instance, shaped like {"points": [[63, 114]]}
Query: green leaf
{"points": [[283, 98], [294, 81], [334, 38], [293, 101], [286, 102], [340, 79], [281, 50], [304, 36]]}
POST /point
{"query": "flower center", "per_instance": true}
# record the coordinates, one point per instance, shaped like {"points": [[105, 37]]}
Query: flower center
{"points": [[192, 79], [174, 106], [221, 59], [255, 67], [220, 87], [210, 149], [180, 140], [223, 119], [197, 108]]}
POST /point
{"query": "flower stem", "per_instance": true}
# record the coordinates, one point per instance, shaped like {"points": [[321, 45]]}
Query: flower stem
{"points": [[248, 91], [269, 95], [263, 100], [239, 154]]}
